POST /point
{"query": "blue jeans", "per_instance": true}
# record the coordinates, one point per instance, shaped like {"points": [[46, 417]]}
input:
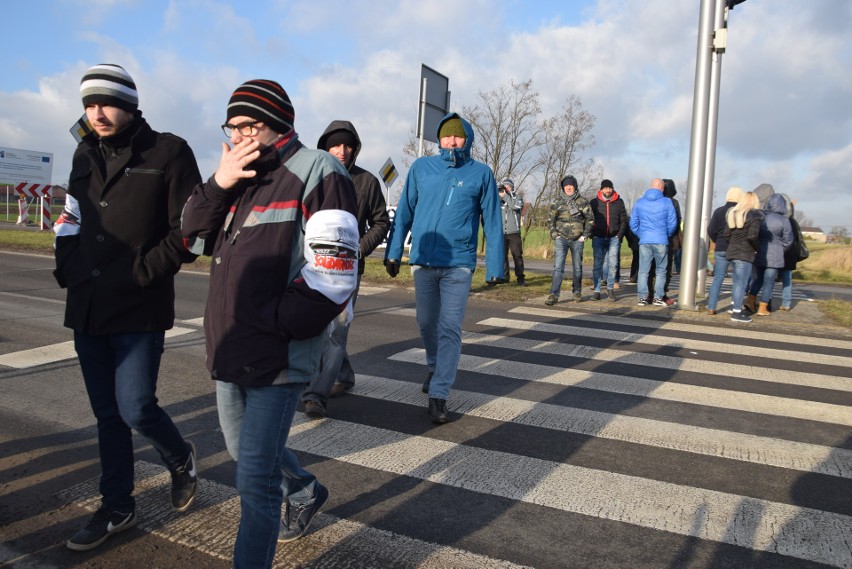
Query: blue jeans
{"points": [[720, 267], [120, 373], [606, 261], [560, 252], [740, 276], [786, 288], [441, 296], [659, 254], [335, 360], [256, 422], [764, 283]]}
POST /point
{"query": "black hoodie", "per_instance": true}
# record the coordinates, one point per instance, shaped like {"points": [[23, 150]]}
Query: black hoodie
{"points": [[372, 213]]}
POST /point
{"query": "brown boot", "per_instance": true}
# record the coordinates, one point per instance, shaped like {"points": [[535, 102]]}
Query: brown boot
{"points": [[763, 309], [750, 303]]}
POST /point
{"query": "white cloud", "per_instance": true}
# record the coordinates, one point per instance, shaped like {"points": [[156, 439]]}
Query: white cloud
{"points": [[783, 110]]}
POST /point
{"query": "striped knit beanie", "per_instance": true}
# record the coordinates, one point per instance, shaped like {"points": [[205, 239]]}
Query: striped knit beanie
{"points": [[264, 101], [108, 84]]}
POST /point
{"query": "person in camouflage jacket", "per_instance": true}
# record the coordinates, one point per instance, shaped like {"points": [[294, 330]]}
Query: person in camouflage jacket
{"points": [[570, 222]]}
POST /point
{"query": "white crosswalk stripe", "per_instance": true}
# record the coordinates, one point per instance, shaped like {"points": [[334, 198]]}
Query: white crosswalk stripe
{"points": [[707, 399]]}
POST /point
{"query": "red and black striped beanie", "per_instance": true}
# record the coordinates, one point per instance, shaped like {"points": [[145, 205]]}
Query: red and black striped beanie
{"points": [[265, 101]]}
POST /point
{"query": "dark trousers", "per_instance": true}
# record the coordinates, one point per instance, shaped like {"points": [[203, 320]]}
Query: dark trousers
{"points": [[120, 373], [513, 244]]}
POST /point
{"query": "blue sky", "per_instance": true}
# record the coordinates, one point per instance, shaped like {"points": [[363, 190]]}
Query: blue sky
{"points": [[784, 114]]}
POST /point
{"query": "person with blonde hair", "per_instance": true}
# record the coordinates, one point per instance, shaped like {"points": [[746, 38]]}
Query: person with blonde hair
{"points": [[776, 237], [716, 233], [742, 231]]}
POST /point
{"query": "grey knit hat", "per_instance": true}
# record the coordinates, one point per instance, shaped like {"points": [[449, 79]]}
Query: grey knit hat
{"points": [[109, 84]]}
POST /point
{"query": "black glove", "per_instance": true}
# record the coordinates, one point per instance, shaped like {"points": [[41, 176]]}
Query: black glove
{"points": [[392, 267]]}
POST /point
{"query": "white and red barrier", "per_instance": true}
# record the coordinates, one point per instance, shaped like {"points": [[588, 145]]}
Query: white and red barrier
{"points": [[44, 192]]}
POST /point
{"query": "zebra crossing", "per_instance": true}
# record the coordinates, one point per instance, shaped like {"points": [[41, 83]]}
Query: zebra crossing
{"points": [[584, 434], [725, 290]]}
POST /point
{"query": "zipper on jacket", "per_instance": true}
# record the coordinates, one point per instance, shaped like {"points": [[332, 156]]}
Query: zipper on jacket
{"points": [[127, 171], [450, 197]]}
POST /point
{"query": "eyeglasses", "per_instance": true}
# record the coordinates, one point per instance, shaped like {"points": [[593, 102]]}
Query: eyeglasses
{"points": [[248, 128]]}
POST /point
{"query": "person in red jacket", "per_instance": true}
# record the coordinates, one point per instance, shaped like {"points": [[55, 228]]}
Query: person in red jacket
{"points": [[609, 229]]}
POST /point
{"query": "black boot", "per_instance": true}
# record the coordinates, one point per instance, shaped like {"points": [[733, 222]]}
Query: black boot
{"points": [[438, 411], [426, 383]]}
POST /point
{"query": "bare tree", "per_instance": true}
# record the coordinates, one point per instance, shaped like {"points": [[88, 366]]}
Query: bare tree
{"points": [[838, 234], [507, 130], [804, 220], [565, 139], [409, 150], [632, 190]]}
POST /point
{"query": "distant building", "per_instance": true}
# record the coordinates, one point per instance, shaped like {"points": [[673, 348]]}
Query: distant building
{"points": [[814, 233]]}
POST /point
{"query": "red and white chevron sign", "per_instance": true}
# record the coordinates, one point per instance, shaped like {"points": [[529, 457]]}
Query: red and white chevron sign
{"points": [[42, 191]]}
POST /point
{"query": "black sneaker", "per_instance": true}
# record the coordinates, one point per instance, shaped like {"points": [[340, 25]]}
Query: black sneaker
{"points": [[522, 281], [314, 409], [103, 524], [296, 519], [596, 296], [740, 316], [610, 294], [642, 301], [659, 302], [438, 411], [425, 388], [184, 483], [578, 297]]}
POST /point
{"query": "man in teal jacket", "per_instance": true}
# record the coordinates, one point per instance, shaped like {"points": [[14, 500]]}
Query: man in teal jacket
{"points": [[451, 193]]}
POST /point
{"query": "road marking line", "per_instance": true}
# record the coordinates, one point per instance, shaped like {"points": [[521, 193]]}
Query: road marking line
{"points": [[721, 369], [57, 352], [663, 390], [682, 342], [681, 327], [659, 434], [210, 526], [804, 533]]}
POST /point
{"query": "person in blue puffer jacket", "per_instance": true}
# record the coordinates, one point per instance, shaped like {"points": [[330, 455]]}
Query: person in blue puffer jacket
{"points": [[450, 193], [654, 221]]}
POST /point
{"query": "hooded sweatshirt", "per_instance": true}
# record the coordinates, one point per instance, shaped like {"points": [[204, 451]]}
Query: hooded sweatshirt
{"points": [[372, 214], [610, 215], [450, 193]]}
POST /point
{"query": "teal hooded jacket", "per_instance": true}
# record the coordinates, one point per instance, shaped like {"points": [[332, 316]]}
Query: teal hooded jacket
{"points": [[442, 203]]}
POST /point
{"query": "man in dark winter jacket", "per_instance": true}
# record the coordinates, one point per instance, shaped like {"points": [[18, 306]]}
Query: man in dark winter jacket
{"points": [[279, 221], [610, 226], [341, 140], [570, 223], [654, 220], [118, 246]]}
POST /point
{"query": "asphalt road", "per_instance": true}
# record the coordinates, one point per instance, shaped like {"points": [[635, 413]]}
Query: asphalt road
{"points": [[592, 435]]}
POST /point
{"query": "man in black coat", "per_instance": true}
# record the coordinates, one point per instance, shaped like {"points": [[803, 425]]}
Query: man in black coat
{"points": [[118, 247]]}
